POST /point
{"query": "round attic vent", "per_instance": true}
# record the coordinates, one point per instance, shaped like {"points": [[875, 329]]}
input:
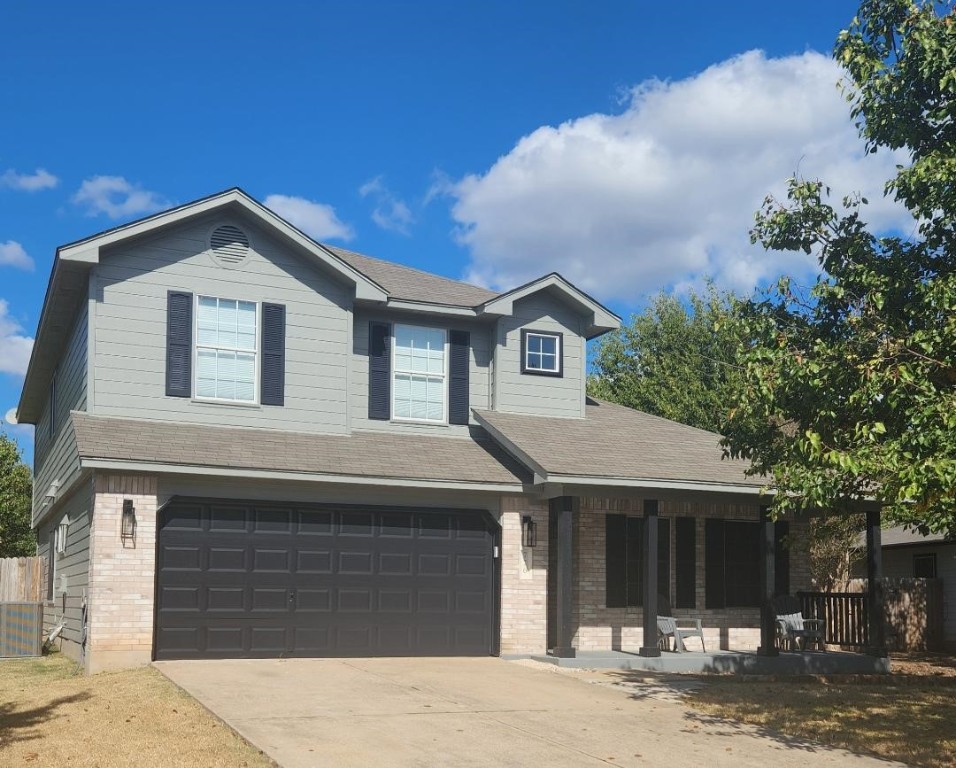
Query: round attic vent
{"points": [[229, 244]]}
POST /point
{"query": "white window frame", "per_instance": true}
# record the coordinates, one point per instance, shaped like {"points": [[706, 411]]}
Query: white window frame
{"points": [[394, 371], [557, 351], [196, 345]]}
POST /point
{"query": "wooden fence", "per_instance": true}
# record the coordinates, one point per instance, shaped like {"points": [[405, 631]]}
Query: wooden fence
{"points": [[912, 616], [21, 579]]}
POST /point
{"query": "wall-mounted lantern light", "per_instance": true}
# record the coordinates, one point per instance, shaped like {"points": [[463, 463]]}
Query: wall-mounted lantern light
{"points": [[128, 529], [529, 531]]}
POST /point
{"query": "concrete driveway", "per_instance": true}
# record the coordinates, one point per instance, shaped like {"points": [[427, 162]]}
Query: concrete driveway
{"points": [[470, 712]]}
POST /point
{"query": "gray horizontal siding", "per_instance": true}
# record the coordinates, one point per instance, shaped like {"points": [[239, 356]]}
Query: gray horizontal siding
{"points": [[540, 395], [72, 567], [55, 457], [129, 354], [479, 381]]}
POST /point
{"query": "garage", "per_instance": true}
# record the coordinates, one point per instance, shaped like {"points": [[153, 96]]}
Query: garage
{"points": [[257, 579]]}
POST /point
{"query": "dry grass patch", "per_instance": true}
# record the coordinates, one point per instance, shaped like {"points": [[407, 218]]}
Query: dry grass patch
{"points": [[52, 714], [907, 716]]}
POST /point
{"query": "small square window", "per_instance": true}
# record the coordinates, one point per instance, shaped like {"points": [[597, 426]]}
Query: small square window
{"points": [[924, 566], [541, 353]]}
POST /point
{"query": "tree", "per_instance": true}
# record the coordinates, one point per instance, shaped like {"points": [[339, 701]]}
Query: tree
{"points": [[676, 360], [16, 492], [850, 384]]}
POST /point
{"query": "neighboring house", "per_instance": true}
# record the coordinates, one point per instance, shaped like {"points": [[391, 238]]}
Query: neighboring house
{"points": [[907, 554], [252, 444]]}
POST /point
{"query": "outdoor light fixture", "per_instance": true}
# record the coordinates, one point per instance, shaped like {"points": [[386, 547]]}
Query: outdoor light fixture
{"points": [[128, 529], [529, 531]]}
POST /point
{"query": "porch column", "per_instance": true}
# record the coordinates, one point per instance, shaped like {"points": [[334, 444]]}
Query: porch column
{"points": [[874, 583], [650, 647], [768, 629], [564, 508]]}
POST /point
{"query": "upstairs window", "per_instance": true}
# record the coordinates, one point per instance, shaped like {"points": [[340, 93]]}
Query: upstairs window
{"points": [[226, 349], [541, 353], [419, 373]]}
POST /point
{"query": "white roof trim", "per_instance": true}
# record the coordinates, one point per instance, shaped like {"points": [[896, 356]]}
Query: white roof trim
{"points": [[652, 482], [602, 319], [88, 251], [312, 477]]}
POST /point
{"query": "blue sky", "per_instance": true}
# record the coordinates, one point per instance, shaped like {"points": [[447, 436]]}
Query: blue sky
{"points": [[625, 144]]}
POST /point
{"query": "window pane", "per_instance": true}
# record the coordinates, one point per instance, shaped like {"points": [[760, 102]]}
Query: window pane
{"points": [[206, 321], [549, 344], [534, 343], [436, 399], [419, 409], [206, 373], [534, 361], [245, 377], [549, 363], [228, 318], [403, 391], [226, 375]]}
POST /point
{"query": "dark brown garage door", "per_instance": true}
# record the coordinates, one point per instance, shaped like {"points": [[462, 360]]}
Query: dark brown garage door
{"points": [[248, 579]]}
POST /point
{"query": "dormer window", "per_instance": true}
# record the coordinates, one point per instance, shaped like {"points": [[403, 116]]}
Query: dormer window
{"points": [[541, 353]]}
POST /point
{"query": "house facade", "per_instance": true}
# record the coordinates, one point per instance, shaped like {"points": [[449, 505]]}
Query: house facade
{"points": [[249, 444]]}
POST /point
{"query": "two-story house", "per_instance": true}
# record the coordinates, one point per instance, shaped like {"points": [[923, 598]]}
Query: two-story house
{"points": [[249, 444]]}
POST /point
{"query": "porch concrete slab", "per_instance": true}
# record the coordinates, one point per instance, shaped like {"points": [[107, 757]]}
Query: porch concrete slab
{"points": [[728, 662], [469, 712]]}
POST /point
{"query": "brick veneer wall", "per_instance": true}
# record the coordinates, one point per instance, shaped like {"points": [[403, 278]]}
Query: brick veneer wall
{"points": [[122, 574], [524, 578], [601, 628]]}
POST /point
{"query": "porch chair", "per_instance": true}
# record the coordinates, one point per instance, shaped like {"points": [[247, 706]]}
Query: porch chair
{"points": [[668, 627], [793, 631]]}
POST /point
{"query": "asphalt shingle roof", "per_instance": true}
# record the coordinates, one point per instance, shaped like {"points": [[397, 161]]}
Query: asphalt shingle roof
{"points": [[364, 454], [412, 284], [617, 442]]}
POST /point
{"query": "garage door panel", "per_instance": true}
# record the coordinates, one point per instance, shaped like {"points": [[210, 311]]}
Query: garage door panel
{"points": [[257, 580]]}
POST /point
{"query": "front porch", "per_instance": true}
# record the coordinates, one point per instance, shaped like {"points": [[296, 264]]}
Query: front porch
{"points": [[726, 662]]}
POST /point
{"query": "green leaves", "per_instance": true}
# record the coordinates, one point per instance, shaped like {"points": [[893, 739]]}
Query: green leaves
{"points": [[677, 360], [16, 491], [849, 388]]}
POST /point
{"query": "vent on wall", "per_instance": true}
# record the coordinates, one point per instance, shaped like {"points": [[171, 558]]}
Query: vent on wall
{"points": [[229, 244]]}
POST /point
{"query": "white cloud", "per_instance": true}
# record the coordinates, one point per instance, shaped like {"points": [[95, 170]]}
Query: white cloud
{"points": [[28, 182], [663, 194], [318, 220], [12, 254], [15, 348], [390, 213], [117, 198], [9, 425]]}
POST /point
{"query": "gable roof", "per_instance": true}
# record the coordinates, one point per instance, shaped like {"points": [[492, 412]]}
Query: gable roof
{"points": [[614, 445], [411, 284], [601, 318], [475, 461], [68, 283]]}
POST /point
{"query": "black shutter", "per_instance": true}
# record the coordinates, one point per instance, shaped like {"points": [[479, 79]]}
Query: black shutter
{"points": [[714, 563], [741, 564], [781, 568], [615, 560], [635, 561], [379, 370], [179, 344], [272, 370], [458, 360], [685, 554]]}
